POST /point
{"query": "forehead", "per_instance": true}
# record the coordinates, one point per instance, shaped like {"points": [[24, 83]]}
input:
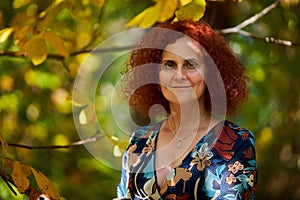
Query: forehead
{"points": [[185, 48]]}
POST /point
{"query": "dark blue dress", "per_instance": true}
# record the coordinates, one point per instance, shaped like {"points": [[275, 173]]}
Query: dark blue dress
{"points": [[221, 166]]}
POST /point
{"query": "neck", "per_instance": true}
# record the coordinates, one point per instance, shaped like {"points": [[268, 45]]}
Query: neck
{"points": [[188, 116]]}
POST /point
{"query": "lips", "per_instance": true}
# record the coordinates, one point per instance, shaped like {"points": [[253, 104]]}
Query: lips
{"points": [[181, 87]]}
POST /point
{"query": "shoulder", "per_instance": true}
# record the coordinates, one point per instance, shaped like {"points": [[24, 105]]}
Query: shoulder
{"points": [[231, 138], [228, 130], [143, 132]]}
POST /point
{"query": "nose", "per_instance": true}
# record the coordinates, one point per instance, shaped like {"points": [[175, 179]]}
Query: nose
{"points": [[180, 73]]}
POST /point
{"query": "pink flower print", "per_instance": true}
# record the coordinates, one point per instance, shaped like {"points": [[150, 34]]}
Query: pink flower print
{"points": [[230, 179], [234, 168]]}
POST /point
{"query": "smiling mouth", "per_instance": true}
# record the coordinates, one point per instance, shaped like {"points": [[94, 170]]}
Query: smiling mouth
{"points": [[181, 87]]}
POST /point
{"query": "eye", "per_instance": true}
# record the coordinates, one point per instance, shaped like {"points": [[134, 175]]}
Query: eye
{"points": [[191, 65], [169, 64]]}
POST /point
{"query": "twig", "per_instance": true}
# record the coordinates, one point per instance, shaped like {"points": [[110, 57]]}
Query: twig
{"points": [[250, 20], [238, 29], [60, 57], [268, 39], [74, 144]]}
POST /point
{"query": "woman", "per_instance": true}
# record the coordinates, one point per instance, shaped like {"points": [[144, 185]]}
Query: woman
{"points": [[193, 153]]}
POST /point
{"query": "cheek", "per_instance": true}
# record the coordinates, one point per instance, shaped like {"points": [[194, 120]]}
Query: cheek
{"points": [[196, 79], [164, 78]]}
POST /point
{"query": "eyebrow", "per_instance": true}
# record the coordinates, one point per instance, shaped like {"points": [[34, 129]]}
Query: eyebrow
{"points": [[188, 60]]}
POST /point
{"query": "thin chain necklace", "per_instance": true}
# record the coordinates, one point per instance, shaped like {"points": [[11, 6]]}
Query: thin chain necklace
{"points": [[180, 140]]}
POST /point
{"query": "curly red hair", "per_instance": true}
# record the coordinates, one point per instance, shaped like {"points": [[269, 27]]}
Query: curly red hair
{"points": [[231, 70]]}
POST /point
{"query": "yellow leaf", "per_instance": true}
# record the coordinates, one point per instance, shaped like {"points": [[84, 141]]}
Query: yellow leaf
{"points": [[51, 12], [117, 151], [20, 175], [184, 2], [82, 117], [146, 18], [36, 50], [19, 3], [191, 11], [83, 39], [167, 9], [136, 20], [5, 33], [57, 43], [20, 34], [3, 144], [45, 185]]}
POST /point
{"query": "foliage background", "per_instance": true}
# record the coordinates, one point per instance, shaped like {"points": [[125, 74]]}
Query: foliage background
{"points": [[34, 109]]}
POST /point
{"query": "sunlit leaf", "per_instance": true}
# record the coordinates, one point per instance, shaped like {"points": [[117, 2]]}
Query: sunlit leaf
{"points": [[32, 10], [19, 3], [20, 34], [83, 39], [82, 117], [191, 11], [148, 17], [117, 151], [184, 2], [36, 50], [51, 12], [5, 33], [20, 175], [57, 43], [168, 8], [45, 185]]}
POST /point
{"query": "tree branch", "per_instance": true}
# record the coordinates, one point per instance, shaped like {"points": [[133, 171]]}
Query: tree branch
{"points": [[238, 29], [74, 144], [250, 20], [60, 57], [268, 39]]}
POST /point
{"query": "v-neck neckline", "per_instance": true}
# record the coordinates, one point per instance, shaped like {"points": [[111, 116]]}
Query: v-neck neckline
{"points": [[157, 131]]}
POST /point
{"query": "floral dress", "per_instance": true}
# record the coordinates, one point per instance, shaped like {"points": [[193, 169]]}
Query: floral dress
{"points": [[222, 165]]}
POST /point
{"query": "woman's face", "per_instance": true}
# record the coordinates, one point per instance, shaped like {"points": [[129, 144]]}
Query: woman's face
{"points": [[182, 71]]}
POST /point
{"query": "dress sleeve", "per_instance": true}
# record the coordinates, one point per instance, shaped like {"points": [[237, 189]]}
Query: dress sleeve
{"points": [[239, 176], [122, 187]]}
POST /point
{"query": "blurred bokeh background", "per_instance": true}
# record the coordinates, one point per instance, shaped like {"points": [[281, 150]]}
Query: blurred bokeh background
{"points": [[35, 96]]}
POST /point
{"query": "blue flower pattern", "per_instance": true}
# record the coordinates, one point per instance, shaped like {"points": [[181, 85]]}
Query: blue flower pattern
{"points": [[222, 166]]}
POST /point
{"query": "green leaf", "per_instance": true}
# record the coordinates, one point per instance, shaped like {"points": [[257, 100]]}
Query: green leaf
{"points": [[192, 11]]}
